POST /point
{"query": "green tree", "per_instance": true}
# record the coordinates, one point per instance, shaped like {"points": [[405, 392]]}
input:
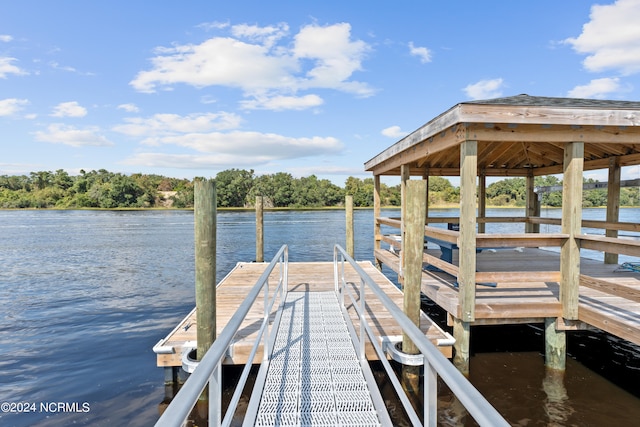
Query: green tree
{"points": [[233, 187]]}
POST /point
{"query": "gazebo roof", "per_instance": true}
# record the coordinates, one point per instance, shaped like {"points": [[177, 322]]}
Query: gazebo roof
{"points": [[518, 134]]}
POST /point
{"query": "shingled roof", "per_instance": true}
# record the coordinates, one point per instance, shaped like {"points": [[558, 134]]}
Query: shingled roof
{"points": [[518, 135]]}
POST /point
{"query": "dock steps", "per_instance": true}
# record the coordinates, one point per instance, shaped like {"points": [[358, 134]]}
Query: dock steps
{"points": [[314, 375]]}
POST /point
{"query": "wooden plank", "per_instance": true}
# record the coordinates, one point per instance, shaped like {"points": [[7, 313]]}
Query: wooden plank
{"points": [[610, 244], [517, 276], [612, 288], [527, 240]]}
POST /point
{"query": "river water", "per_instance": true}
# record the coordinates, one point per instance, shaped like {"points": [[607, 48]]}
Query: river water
{"points": [[86, 294]]}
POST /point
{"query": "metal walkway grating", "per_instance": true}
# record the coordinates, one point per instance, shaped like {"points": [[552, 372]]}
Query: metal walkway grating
{"points": [[314, 376]]}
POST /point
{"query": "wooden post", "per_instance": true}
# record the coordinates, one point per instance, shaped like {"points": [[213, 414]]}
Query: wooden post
{"points": [[462, 335], [555, 345], [405, 175], [415, 213], [613, 204], [349, 225], [482, 200], [571, 224], [531, 200], [259, 229], [425, 176], [467, 239], [376, 214], [205, 257], [467, 253]]}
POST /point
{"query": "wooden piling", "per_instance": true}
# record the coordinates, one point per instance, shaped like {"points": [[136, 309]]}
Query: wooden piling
{"points": [[377, 235], [415, 213], [348, 203], [259, 229], [555, 345], [462, 335], [205, 257]]}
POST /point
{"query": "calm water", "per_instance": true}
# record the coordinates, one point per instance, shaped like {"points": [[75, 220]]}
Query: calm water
{"points": [[86, 294]]}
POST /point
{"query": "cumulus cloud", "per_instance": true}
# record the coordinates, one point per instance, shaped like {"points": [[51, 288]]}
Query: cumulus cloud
{"points": [[129, 108], [421, 52], [611, 39], [58, 133], [281, 102], [485, 89], [69, 109], [394, 132], [261, 61], [11, 106], [6, 67], [597, 88], [5, 38]]}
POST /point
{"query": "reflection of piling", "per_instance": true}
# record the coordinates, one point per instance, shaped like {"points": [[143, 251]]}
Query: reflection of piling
{"points": [[259, 229], [348, 204], [205, 254], [556, 404], [415, 213]]}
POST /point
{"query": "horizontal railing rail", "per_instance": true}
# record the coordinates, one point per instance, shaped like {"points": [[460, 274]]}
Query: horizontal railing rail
{"points": [[208, 370], [435, 363]]}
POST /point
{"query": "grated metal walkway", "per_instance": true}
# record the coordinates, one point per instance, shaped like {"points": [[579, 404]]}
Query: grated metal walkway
{"points": [[314, 376]]}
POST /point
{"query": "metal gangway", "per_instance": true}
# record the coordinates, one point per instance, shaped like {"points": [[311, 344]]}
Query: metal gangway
{"points": [[314, 369]]}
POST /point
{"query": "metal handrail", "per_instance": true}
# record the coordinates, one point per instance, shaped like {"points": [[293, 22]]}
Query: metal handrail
{"points": [[435, 363], [208, 370]]}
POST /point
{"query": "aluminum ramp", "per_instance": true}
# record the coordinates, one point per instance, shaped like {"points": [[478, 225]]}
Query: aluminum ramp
{"points": [[315, 377]]}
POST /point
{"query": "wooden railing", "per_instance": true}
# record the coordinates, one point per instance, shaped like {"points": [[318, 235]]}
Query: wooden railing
{"points": [[494, 241]]}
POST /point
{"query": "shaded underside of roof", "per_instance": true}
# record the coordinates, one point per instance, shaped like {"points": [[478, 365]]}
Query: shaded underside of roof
{"points": [[517, 136]]}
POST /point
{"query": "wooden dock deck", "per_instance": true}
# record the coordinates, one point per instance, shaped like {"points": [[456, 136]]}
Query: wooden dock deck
{"points": [[531, 299], [303, 276]]}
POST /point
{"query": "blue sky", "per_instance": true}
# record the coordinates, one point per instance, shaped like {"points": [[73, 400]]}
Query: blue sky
{"points": [[190, 88]]}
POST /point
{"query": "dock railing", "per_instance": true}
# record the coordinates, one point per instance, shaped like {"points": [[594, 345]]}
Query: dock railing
{"points": [[435, 364], [209, 369]]}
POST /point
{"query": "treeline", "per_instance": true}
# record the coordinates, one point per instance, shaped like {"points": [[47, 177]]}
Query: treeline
{"points": [[239, 188]]}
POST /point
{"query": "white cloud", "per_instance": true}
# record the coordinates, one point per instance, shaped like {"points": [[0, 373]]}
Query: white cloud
{"points": [[421, 52], [11, 106], [611, 39], [69, 109], [597, 88], [485, 89], [6, 67], [261, 60], [280, 103], [204, 134], [5, 38], [268, 36], [393, 132], [160, 125], [58, 133], [335, 57], [129, 108], [260, 145]]}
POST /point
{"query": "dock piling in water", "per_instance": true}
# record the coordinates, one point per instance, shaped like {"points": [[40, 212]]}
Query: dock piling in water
{"points": [[205, 254], [259, 229], [348, 204]]}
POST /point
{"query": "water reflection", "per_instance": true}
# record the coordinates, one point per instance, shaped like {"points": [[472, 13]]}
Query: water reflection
{"points": [[557, 405]]}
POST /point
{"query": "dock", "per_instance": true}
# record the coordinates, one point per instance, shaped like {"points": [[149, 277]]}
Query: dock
{"points": [[303, 276]]}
